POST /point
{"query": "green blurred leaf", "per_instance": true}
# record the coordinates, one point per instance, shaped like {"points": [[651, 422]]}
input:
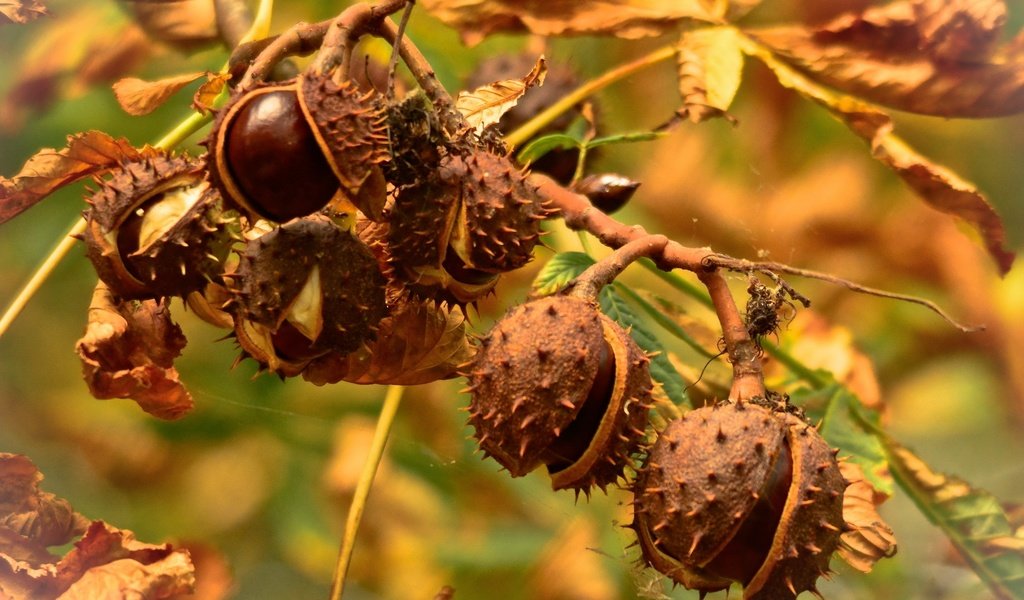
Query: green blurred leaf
{"points": [[544, 144], [559, 271], [973, 519], [562, 141], [615, 306], [626, 138], [834, 406]]}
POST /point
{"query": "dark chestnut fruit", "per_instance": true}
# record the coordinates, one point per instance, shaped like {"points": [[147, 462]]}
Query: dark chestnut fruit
{"points": [[559, 384], [740, 493]]}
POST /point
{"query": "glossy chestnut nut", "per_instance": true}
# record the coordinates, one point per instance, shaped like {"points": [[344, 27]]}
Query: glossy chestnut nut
{"points": [[268, 159], [286, 150]]}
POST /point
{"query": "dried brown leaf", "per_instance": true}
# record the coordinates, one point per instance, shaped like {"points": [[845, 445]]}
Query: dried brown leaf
{"points": [[184, 24], [631, 19], [106, 547], [128, 351], [128, 578], [206, 95], [138, 97], [214, 580], [934, 57], [936, 185], [89, 153], [486, 104], [710, 66], [870, 539], [105, 563], [31, 520], [14, 11], [418, 343]]}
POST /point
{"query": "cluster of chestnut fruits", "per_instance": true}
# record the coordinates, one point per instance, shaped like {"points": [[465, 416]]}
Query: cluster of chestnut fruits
{"points": [[309, 220], [319, 210], [741, 491]]}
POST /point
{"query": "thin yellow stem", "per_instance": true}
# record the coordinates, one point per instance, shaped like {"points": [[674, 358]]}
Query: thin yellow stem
{"points": [[534, 125], [260, 23], [355, 512], [30, 288]]}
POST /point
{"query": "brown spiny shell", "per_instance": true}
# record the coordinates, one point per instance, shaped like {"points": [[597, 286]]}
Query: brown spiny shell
{"points": [[446, 284], [350, 126], [557, 383], [164, 200], [421, 219], [739, 492], [313, 277], [499, 213]]}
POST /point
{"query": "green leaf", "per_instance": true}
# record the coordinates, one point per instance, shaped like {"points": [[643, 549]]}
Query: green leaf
{"points": [[559, 271], [973, 519], [840, 414], [626, 138], [542, 145], [667, 323], [562, 141], [615, 306]]}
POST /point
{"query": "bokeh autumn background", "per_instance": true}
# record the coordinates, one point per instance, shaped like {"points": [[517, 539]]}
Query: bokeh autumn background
{"points": [[257, 479]]}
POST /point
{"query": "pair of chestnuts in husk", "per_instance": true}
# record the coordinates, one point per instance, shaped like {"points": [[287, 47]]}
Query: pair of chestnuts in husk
{"points": [[740, 493], [731, 493]]}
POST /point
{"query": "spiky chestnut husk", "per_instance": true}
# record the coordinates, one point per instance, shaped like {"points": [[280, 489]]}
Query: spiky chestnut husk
{"points": [[557, 383], [285, 150], [312, 286], [739, 492], [498, 223], [156, 228], [452, 283]]}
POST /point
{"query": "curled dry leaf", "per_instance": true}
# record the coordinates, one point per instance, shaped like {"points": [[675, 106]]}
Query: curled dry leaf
{"points": [[89, 153], [138, 97], [14, 11], [631, 19], [418, 343], [938, 186], [105, 563], [206, 95], [710, 66], [128, 351], [486, 104], [870, 538], [32, 520], [934, 57]]}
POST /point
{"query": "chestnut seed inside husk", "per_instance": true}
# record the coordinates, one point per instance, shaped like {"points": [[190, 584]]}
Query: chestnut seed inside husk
{"points": [[274, 158]]}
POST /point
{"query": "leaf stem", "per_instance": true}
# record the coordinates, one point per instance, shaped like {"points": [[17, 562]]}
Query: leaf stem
{"points": [[355, 511], [534, 125]]}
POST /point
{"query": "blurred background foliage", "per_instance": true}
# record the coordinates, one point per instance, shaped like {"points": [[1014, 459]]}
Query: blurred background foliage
{"points": [[259, 476]]}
